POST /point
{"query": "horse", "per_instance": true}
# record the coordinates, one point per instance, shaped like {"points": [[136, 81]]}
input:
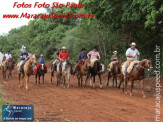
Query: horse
{"points": [[27, 70], [40, 72], [11, 63], [83, 71], [115, 73], [96, 70], [65, 71], [137, 73]]}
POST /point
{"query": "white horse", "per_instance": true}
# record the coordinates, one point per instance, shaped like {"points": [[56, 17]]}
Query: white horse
{"points": [[61, 74]]}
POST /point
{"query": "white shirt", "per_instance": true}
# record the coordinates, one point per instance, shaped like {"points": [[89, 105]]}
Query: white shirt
{"points": [[134, 52], [8, 56]]}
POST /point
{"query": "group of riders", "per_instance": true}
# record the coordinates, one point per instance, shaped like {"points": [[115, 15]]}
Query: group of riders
{"points": [[132, 54]]}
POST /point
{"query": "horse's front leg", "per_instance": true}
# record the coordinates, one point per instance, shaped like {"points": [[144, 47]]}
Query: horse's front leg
{"points": [[79, 80], [94, 81], [116, 82], [64, 80], [99, 75], [39, 79], [132, 84], [43, 78], [27, 79], [107, 82], [86, 80], [68, 81], [113, 82], [142, 88], [36, 78]]}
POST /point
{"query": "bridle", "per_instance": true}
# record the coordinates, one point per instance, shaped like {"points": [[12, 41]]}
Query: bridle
{"points": [[148, 66]]}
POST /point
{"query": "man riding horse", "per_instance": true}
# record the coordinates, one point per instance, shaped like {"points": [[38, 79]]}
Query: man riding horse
{"points": [[40, 61], [94, 55], [132, 55], [24, 57], [7, 57], [64, 55], [114, 59], [81, 58], [56, 60]]}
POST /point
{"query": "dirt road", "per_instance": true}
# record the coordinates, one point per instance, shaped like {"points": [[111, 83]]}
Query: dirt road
{"points": [[54, 103]]}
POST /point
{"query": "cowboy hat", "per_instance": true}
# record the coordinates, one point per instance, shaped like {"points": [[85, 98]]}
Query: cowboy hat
{"points": [[115, 52], [63, 48], [133, 44]]}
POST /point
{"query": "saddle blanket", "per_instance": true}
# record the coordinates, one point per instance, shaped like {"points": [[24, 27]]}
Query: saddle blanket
{"points": [[93, 61], [130, 67], [110, 66]]}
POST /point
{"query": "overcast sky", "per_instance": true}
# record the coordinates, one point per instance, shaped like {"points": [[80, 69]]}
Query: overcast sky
{"points": [[6, 7]]}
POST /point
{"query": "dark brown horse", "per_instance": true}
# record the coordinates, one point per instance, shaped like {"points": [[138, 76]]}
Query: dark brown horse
{"points": [[115, 72], [137, 73], [10, 66]]}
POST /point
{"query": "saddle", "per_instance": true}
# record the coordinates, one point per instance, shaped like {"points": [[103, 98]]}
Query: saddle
{"points": [[110, 66], [93, 61], [131, 66]]}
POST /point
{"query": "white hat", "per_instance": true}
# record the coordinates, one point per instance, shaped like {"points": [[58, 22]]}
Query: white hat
{"points": [[24, 47], [133, 43], [64, 48], [115, 52]]}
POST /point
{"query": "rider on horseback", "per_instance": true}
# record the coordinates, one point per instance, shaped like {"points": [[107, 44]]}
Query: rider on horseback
{"points": [[132, 54], [114, 59], [64, 55], [7, 56], [24, 57], [54, 63], [82, 56], [94, 55], [40, 61]]}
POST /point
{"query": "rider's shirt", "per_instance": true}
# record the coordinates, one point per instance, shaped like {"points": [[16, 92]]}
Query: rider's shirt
{"points": [[24, 56], [134, 52], [8, 56], [41, 60], [82, 56], [93, 55], [64, 55], [114, 56]]}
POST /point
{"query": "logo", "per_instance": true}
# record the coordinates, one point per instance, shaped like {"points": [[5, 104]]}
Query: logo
{"points": [[17, 112]]}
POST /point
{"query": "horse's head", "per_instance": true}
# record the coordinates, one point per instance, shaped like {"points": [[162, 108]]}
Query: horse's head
{"points": [[86, 63], [102, 67], [32, 59], [42, 67], [64, 65], [148, 64], [12, 62]]}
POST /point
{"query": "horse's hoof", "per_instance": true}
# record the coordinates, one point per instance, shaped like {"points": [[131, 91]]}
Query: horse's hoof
{"points": [[19, 86], [93, 86], [144, 96], [68, 87], [26, 88], [130, 94], [101, 86], [126, 92]]}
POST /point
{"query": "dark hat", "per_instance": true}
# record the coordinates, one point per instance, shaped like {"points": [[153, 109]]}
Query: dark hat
{"points": [[95, 47], [83, 49]]}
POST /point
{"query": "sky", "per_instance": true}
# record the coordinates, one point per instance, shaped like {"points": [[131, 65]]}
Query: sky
{"points": [[6, 7]]}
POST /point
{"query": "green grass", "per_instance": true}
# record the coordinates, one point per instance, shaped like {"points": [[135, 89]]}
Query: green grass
{"points": [[2, 101]]}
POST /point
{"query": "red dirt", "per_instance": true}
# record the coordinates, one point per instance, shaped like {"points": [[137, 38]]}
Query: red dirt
{"points": [[54, 103]]}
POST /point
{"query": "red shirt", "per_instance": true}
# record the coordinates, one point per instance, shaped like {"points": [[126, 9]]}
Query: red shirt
{"points": [[64, 55]]}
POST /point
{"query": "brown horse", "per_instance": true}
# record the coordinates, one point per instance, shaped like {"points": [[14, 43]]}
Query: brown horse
{"points": [[137, 73], [115, 72], [83, 71], [10, 66], [27, 70]]}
